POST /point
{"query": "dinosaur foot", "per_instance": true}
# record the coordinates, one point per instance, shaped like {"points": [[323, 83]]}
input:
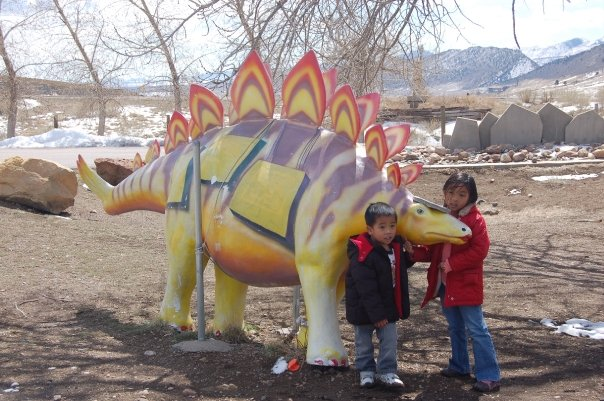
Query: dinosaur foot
{"points": [[180, 329], [329, 363]]}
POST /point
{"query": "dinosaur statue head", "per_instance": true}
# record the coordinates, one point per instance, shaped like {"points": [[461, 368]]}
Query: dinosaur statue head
{"points": [[425, 225]]}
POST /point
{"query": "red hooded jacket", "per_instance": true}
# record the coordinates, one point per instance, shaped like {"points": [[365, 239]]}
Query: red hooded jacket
{"points": [[464, 283]]}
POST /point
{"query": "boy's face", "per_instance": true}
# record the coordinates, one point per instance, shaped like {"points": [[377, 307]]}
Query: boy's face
{"points": [[383, 230], [456, 198]]}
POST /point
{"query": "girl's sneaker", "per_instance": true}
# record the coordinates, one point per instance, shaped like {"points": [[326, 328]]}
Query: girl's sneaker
{"points": [[390, 380], [486, 386], [367, 379]]}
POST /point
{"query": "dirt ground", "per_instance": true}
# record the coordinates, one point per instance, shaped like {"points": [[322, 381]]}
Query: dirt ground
{"points": [[80, 296]]}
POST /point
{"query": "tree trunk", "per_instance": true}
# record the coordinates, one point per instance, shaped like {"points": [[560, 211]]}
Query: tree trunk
{"points": [[102, 118], [12, 89]]}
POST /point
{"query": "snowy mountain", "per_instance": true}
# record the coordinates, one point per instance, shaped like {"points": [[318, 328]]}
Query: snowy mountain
{"points": [[491, 68], [544, 55], [475, 67], [585, 62]]}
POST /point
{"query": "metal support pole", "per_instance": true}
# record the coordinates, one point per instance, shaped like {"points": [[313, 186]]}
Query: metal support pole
{"points": [[296, 308], [201, 317]]}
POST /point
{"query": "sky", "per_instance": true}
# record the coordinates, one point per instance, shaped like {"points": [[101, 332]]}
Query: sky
{"points": [[539, 23]]}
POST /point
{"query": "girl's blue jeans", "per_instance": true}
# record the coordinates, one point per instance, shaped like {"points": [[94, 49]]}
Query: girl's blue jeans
{"points": [[363, 341], [464, 321]]}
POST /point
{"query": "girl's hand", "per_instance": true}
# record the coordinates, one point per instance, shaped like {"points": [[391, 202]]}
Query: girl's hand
{"points": [[408, 247], [381, 323]]}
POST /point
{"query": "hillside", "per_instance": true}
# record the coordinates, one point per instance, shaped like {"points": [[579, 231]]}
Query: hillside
{"points": [[475, 67], [591, 60], [46, 87]]}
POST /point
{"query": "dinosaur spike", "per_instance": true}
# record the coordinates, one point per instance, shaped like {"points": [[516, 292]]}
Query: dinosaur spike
{"points": [[330, 79], [369, 105], [393, 172], [304, 92], [345, 113], [138, 162], [206, 109], [397, 137], [410, 173], [376, 145], [153, 152], [233, 117], [252, 90], [193, 129], [178, 132]]}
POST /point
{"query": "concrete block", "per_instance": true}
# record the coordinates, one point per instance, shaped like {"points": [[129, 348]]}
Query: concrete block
{"points": [[484, 129], [585, 128], [554, 123], [465, 134], [517, 126]]}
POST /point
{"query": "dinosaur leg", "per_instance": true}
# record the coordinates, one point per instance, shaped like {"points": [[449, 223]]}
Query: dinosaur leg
{"points": [[180, 239], [325, 345], [230, 302]]}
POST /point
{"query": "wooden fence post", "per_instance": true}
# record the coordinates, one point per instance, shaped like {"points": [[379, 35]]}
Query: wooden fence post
{"points": [[443, 125], [55, 121]]}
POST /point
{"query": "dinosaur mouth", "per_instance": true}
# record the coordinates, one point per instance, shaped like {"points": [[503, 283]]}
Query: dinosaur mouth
{"points": [[454, 239]]}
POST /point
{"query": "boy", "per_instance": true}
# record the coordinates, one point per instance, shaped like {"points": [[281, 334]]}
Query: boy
{"points": [[377, 293]]}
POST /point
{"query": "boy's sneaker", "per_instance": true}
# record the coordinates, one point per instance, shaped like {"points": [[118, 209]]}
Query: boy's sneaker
{"points": [[390, 380], [486, 386], [448, 372], [367, 379]]}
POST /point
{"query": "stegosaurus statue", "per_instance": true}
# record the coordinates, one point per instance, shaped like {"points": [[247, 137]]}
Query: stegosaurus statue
{"points": [[279, 197]]}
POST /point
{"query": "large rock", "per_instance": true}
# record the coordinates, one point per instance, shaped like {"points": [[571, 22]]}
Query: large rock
{"points": [[113, 171], [554, 123], [37, 183], [585, 128], [517, 126]]}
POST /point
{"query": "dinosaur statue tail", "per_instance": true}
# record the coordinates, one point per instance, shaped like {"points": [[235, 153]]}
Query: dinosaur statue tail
{"points": [[131, 194]]}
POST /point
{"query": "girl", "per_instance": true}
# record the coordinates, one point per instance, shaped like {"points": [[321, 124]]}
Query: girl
{"points": [[455, 276]]}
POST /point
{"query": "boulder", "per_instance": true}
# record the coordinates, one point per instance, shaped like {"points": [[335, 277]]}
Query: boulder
{"points": [[113, 171], [38, 183]]}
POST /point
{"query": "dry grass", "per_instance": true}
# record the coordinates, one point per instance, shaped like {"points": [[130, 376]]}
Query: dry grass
{"points": [[571, 97]]}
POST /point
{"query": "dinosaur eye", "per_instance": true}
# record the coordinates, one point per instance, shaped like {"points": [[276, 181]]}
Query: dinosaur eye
{"points": [[420, 211]]}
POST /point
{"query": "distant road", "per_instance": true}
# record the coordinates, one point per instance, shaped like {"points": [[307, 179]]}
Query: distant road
{"points": [[68, 156]]}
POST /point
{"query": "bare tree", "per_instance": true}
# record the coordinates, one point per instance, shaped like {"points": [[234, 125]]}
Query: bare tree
{"points": [[11, 67], [85, 26], [152, 36], [362, 38]]}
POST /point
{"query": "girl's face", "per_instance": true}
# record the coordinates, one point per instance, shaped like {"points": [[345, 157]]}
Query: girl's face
{"points": [[383, 231], [456, 198]]}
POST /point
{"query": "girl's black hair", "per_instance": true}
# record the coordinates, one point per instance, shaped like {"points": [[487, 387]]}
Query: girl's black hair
{"points": [[378, 209], [462, 180]]}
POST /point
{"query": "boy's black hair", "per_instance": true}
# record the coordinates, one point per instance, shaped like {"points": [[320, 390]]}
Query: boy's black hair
{"points": [[378, 209], [462, 180]]}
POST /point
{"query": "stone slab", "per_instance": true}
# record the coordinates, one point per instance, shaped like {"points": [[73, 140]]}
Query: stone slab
{"points": [[484, 129], [517, 126], [585, 128], [465, 134], [554, 123]]}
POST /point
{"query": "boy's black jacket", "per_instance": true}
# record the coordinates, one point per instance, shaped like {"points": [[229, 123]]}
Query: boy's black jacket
{"points": [[370, 297]]}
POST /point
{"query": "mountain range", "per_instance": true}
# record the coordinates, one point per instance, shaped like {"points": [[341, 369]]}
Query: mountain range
{"points": [[485, 69]]}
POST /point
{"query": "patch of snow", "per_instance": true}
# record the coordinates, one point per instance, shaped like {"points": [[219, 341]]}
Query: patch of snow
{"points": [[578, 328], [542, 178], [31, 103]]}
